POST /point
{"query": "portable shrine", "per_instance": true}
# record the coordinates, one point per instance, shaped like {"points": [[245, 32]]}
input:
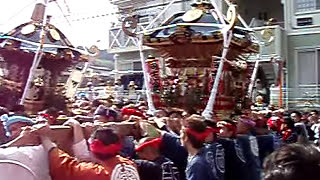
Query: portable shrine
{"points": [[34, 54], [203, 65]]}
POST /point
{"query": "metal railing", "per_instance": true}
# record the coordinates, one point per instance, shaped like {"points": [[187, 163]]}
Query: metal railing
{"points": [[102, 93], [297, 98], [119, 41]]}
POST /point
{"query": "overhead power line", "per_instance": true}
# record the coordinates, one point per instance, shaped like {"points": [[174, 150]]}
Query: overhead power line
{"points": [[90, 17], [20, 11]]}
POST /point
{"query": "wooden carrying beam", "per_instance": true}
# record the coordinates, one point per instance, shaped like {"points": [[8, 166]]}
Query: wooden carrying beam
{"points": [[63, 135]]}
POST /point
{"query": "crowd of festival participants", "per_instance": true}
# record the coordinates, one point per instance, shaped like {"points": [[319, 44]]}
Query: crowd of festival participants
{"points": [[126, 142]]}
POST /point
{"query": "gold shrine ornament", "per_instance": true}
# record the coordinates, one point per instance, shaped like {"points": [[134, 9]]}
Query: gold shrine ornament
{"points": [[94, 50], [54, 34], [232, 16], [28, 29], [268, 36], [192, 15]]}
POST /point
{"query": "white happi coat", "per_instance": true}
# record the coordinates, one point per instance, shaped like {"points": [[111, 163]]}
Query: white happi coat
{"points": [[34, 157]]}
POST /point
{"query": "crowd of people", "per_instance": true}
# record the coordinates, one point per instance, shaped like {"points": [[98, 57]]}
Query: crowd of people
{"points": [[114, 140]]}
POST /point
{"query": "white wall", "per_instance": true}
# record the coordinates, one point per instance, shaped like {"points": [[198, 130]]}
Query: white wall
{"points": [[249, 9]]}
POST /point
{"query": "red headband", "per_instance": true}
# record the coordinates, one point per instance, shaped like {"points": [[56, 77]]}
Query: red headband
{"points": [[200, 136], [131, 111], [97, 146], [229, 126], [153, 143], [46, 116]]}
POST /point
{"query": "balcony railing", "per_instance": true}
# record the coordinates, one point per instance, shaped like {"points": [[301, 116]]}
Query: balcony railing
{"points": [[102, 93], [300, 98], [120, 42]]}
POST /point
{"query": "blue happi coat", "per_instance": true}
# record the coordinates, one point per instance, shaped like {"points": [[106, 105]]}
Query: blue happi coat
{"points": [[208, 164]]}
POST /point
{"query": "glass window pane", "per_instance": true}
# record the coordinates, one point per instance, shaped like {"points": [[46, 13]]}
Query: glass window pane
{"points": [[307, 68], [137, 66], [318, 60], [125, 66], [306, 5]]}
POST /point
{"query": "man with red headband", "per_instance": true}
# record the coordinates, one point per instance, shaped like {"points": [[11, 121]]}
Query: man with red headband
{"points": [[203, 162], [234, 157], [127, 112], [190, 152], [228, 129], [104, 145], [149, 149]]}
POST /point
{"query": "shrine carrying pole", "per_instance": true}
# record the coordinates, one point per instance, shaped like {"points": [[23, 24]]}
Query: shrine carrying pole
{"points": [[151, 106], [39, 14], [253, 78], [227, 36], [208, 111]]}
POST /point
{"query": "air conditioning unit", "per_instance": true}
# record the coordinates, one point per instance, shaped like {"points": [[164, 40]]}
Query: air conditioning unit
{"points": [[309, 20], [304, 21]]}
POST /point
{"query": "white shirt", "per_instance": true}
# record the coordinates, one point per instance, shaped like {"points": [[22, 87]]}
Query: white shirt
{"points": [[34, 157], [316, 129]]}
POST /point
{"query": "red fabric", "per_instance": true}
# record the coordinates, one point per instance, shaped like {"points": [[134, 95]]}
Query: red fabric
{"points": [[274, 123], [200, 136], [153, 143], [50, 118], [64, 167], [286, 134], [229, 126], [131, 111], [97, 146], [47, 116]]}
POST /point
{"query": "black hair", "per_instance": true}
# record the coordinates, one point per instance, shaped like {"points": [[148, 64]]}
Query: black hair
{"points": [[107, 136], [286, 113], [297, 113], [52, 111], [268, 115], [210, 123], [315, 111], [175, 112], [290, 123], [293, 162]]}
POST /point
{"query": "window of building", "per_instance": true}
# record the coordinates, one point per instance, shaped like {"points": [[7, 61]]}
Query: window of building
{"points": [[307, 5], [125, 66], [137, 66], [308, 66]]}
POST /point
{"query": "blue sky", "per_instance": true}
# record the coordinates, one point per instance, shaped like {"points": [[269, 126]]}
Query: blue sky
{"points": [[86, 24]]}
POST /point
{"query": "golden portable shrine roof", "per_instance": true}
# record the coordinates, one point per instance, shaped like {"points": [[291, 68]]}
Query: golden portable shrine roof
{"points": [[198, 34], [26, 38]]}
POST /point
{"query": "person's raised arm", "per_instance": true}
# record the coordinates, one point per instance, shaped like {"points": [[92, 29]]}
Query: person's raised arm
{"points": [[63, 166]]}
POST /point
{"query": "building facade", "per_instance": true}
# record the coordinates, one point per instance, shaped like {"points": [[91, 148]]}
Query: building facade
{"points": [[302, 24]]}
